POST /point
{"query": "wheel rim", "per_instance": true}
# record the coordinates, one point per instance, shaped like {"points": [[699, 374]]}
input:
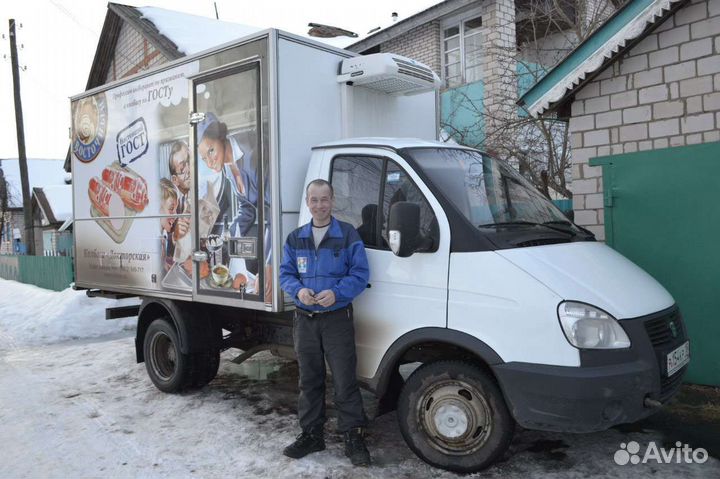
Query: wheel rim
{"points": [[456, 417], [163, 356]]}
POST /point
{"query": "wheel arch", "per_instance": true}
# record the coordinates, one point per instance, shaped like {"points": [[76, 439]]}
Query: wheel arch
{"points": [[429, 344]]}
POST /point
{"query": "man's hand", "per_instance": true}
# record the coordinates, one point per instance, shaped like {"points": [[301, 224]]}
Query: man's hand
{"points": [[307, 296], [325, 298]]}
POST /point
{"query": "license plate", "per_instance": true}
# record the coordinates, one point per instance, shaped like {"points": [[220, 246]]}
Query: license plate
{"points": [[678, 358]]}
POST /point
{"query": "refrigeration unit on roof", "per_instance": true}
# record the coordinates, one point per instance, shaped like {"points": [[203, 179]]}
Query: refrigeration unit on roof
{"points": [[388, 73]]}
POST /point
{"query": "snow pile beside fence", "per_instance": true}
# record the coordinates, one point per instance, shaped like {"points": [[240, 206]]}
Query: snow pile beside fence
{"points": [[30, 315]]}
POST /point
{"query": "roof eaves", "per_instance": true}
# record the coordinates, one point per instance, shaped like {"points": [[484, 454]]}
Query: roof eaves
{"points": [[147, 29], [108, 39], [44, 205], [630, 24], [407, 24]]}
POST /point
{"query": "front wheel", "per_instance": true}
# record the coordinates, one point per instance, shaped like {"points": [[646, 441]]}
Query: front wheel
{"points": [[453, 416]]}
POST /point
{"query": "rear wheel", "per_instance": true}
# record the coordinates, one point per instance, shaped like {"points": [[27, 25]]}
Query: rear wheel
{"points": [[453, 416], [168, 368]]}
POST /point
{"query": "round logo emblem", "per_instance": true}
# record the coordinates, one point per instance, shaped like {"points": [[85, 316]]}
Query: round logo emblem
{"points": [[89, 127]]}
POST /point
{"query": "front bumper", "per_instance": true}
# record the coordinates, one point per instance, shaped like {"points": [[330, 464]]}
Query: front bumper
{"points": [[610, 386]]}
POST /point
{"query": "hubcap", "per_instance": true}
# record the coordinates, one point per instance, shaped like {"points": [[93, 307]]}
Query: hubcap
{"points": [[163, 356], [456, 417]]}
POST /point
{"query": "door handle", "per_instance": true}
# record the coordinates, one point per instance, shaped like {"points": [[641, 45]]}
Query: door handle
{"points": [[199, 256]]}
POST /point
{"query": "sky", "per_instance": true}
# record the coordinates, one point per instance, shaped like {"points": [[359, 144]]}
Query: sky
{"points": [[59, 38]]}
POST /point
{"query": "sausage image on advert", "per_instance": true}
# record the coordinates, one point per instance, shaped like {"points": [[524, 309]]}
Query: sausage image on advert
{"points": [[118, 195], [131, 187]]}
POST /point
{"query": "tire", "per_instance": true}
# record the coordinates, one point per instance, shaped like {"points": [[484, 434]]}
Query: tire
{"points": [[453, 416], [169, 369]]}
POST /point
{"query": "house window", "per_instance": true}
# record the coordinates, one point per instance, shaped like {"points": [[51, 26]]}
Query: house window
{"points": [[462, 52]]}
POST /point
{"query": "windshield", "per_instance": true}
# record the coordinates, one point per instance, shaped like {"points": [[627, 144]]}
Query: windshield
{"points": [[489, 193]]}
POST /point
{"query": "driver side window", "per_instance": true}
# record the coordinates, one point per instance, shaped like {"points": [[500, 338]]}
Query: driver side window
{"points": [[365, 190]]}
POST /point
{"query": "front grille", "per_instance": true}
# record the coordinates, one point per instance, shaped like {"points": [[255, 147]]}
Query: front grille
{"points": [[664, 330], [666, 333]]}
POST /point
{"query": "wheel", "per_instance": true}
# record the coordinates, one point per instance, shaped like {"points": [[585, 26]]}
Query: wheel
{"points": [[168, 368], [453, 416]]}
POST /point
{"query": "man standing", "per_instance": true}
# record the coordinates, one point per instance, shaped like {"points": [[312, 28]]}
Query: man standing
{"points": [[324, 267]]}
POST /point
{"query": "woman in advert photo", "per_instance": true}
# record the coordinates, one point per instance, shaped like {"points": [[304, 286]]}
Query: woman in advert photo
{"points": [[232, 181]]}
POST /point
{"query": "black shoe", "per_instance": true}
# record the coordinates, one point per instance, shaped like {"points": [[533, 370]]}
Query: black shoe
{"points": [[355, 447], [309, 441]]}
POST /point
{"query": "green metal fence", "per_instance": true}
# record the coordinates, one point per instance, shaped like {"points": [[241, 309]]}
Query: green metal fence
{"points": [[49, 272]]}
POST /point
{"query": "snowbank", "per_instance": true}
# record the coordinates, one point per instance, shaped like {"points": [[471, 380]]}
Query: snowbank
{"points": [[30, 315]]}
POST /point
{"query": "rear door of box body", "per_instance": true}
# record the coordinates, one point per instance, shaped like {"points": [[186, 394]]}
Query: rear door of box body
{"points": [[231, 211]]}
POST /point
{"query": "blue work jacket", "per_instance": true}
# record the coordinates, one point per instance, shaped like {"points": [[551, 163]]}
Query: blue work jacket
{"points": [[338, 264]]}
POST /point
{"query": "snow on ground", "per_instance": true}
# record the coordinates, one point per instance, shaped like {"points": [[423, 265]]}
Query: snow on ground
{"points": [[84, 408], [31, 315]]}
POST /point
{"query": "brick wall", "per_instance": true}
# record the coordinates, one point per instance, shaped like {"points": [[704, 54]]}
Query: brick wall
{"points": [[664, 92], [132, 54], [422, 43]]}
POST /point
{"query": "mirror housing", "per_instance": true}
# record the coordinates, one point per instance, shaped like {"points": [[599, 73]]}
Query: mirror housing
{"points": [[404, 228]]}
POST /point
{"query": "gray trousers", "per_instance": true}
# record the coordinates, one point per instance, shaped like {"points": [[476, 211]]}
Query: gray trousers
{"points": [[329, 336]]}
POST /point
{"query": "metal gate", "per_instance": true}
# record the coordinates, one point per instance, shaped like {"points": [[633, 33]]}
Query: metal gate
{"points": [[662, 212]]}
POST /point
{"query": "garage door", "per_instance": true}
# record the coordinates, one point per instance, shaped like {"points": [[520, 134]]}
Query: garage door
{"points": [[662, 210]]}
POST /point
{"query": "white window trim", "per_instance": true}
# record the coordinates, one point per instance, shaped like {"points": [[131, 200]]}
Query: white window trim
{"points": [[458, 20]]}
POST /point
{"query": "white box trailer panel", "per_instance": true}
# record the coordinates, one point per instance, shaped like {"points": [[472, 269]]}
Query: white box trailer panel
{"points": [[151, 188]]}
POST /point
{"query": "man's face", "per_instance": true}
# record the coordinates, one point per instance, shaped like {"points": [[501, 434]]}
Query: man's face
{"points": [[181, 166], [168, 207], [212, 153], [320, 203]]}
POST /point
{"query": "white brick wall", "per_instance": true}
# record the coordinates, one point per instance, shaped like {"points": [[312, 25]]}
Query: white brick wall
{"points": [[665, 92]]}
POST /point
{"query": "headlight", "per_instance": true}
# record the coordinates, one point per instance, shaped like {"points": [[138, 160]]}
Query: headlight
{"points": [[588, 327]]}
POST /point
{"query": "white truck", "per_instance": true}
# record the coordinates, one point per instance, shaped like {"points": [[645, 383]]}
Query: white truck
{"points": [[188, 178]]}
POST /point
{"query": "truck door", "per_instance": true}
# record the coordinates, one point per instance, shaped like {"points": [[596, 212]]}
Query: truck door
{"points": [[230, 212], [403, 293]]}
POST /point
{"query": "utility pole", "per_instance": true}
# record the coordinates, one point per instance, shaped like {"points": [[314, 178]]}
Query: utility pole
{"points": [[22, 158]]}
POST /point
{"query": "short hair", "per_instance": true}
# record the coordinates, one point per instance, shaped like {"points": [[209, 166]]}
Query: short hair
{"points": [[320, 182], [168, 189], [177, 147]]}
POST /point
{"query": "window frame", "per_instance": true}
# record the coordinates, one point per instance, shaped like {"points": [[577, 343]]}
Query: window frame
{"points": [[459, 21], [380, 199]]}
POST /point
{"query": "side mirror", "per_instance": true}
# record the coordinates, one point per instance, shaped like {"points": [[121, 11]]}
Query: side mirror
{"points": [[404, 228]]}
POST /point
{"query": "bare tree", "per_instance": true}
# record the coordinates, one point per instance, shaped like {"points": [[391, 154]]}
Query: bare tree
{"points": [[545, 31]]}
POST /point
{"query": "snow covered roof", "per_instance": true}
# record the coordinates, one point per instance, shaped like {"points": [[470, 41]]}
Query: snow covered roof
{"points": [[628, 25], [184, 29], [55, 202], [40, 173]]}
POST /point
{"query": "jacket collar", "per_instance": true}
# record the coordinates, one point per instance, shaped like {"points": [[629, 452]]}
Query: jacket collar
{"points": [[333, 232]]}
